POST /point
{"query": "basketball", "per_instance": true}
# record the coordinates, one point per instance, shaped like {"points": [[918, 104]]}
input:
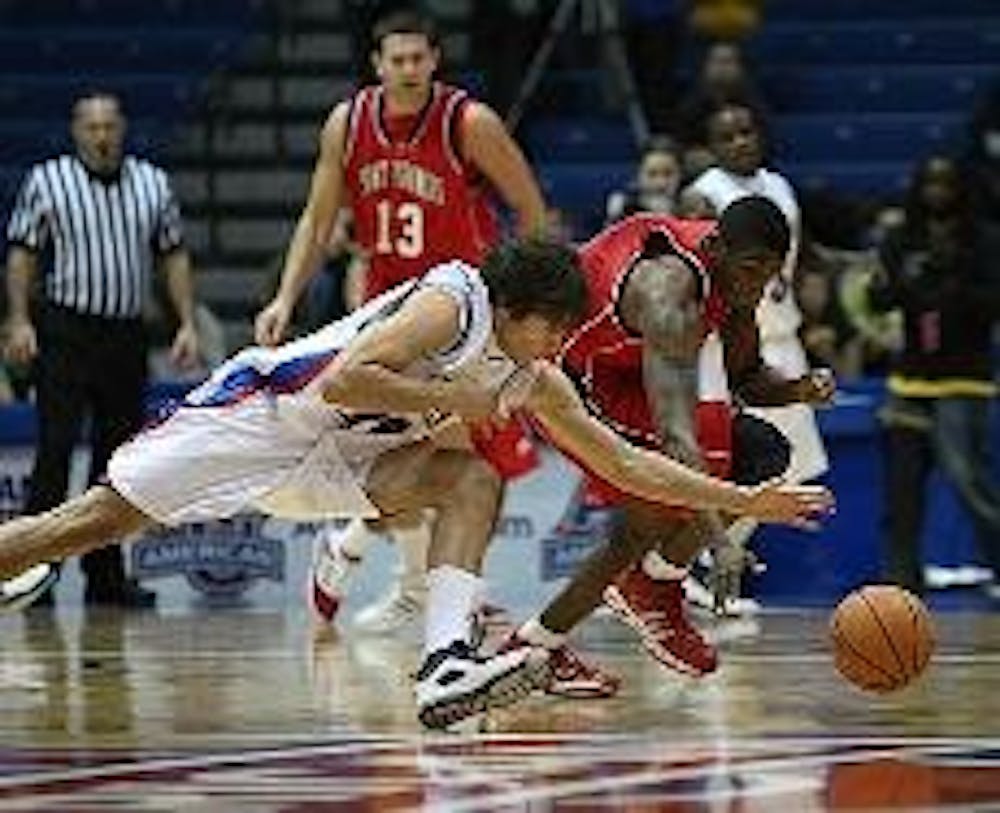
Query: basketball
{"points": [[882, 638]]}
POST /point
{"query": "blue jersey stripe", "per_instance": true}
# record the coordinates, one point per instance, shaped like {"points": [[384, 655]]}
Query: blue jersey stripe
{"points": [[287, 377]]}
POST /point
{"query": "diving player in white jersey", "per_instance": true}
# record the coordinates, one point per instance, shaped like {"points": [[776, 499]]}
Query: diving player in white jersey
{"points": [[341, 423], [736, 141]]}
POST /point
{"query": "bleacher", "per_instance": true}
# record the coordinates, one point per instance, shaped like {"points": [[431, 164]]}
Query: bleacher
{"points": [[157, 54], [859, 90]]}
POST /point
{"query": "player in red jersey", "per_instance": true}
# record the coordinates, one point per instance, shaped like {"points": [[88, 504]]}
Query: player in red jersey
{"points": [[668, 343], [409, 156], [414, 160]]}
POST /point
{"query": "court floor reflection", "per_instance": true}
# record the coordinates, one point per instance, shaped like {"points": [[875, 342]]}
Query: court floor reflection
{"points": [[216, 710]]}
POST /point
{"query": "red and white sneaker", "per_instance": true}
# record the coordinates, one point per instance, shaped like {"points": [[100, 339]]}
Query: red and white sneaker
{"points": [[571, 675], [654, 608], [330, 576]]}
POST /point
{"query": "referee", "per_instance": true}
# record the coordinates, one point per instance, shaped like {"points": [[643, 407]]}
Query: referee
{"points": [[109, 219]]}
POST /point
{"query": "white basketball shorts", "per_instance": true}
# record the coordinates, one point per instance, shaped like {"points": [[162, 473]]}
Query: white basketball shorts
{"points": [[284, 459], [797, 422]]}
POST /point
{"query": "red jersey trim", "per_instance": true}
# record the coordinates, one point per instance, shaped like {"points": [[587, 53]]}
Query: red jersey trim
{"points": [[450, 129], [354, 117], [419, 127]]}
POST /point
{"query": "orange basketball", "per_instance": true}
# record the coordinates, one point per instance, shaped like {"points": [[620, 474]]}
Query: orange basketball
{"points": [[882, 637]]}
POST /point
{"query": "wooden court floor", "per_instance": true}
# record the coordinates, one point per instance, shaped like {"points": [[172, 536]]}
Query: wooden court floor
{"points": [[223, 710]]}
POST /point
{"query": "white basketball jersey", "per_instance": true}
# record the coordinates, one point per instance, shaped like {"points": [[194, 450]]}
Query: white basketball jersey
{"points": [[778, 315], [290, 374]]}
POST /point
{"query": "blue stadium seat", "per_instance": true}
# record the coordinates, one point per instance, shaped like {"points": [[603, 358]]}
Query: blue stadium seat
{"points": [[884, 178], [104, 13], [868, 9], [580, 140], [568, 92], [866, 136], [922, 41], [582, 188], [60, 49], [23, 141], [877, 88], [152, 95]]}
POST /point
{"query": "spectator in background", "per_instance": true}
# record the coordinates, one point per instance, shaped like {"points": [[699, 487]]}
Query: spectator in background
{"points": [[656, 183], [723, 80], [827, 335], [110, 217], [940, 268], [737, 144], [879, 334]]}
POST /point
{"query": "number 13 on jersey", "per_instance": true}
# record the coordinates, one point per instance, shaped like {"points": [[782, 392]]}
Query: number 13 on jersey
{"points": [[410, 230]]}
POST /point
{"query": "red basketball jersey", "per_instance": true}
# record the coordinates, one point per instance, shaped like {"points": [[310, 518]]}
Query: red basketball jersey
{"points": [[608, 258], [415, 202]]}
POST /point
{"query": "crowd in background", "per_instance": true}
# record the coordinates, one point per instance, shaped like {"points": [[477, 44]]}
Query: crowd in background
{"points": [[905, 288]]}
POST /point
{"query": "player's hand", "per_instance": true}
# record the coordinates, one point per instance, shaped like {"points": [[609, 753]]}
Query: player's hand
{"points": [[22, 341], [797, 505], [820, 386], [185, 350], [272, 322]]}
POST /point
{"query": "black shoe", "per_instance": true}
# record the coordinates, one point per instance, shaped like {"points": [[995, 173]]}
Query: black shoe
{"points": [[46, 601], [129, 594], [455, 683]]}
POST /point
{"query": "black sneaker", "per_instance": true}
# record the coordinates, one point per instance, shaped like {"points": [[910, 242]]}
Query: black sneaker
{"points": [[455, 683]]}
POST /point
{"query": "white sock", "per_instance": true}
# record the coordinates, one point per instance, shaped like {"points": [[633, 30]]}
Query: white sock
{"points": [[536, 634], [451, 601], [355, 539], [656, 567], [412, 544]]}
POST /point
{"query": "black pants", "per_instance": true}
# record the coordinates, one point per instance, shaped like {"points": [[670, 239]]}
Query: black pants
{"points": [[86, 365], [952, 434]]}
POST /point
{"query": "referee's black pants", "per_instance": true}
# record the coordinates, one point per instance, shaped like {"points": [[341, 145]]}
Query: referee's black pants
{"points": [[87, 365]]}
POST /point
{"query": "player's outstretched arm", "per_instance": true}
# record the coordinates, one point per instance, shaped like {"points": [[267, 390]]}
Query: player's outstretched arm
{"points": [[312, 232], [652, 476], [368, 374], [491, 149]]}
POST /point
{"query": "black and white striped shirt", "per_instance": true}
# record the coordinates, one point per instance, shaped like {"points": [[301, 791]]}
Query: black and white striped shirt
{"points": [[106, 232]]}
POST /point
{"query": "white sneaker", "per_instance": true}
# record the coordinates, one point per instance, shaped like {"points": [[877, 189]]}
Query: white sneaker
{"points": [[398, 608], [20, 591], [330, 577], [454, 684]]}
